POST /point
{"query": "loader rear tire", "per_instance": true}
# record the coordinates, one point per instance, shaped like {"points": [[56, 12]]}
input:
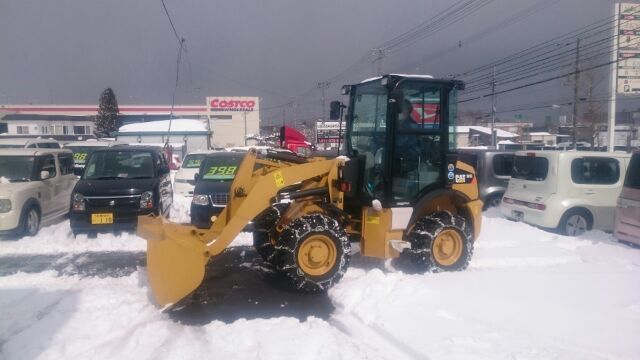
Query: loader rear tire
{"points": [[440, 241], [315, 252], [264, 231]]}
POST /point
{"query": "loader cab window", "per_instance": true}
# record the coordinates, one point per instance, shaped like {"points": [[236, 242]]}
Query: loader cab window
{"points": [[417, 154], [367, 135]]}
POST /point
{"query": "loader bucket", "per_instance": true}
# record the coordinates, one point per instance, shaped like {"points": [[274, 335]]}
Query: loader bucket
{"points": [[176, 258]]}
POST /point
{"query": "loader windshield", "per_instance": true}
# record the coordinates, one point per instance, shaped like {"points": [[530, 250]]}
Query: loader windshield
{"points": [[367, 135]]}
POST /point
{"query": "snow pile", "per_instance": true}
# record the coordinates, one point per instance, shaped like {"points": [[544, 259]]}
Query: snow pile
{"points": [[177, 125], [4, 180], [72, 318], [57, 238], [181, 209]]}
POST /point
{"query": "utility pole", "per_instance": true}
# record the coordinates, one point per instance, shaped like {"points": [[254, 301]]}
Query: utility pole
{"points": [[378, 55], [245, 128], [574, 112], [613, 86], [322, 86], [493, 109]]}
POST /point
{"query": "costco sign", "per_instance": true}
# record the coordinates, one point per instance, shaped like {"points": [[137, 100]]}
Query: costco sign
{"points": [[231, 103]]}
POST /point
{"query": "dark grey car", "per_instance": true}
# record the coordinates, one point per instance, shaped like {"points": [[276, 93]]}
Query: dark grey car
{"points": [[493, 169]]}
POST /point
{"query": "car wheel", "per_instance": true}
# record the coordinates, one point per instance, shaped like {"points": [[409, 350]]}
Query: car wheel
{"points": [[31, 222], [575, 223]]}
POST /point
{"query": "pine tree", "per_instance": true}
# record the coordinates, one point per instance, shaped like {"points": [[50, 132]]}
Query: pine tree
{"points": [[107, 114]]}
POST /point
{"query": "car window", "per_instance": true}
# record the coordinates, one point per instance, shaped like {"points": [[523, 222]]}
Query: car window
{"points": [[595, 171], [16, 168], [532, 168], [48, 164], [108, 165], [66, 164], [502, 164], [633, 173], [193, 161]]}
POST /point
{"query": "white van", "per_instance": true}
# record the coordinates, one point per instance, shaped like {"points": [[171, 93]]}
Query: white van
{"points": [[184, 181], [29, 143], [571, 191], [35, 188]]}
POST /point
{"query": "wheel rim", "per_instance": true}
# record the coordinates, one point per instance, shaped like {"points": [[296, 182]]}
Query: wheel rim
{"points": [[317, 255], [447, 247], [576, 225], [32, 222]]}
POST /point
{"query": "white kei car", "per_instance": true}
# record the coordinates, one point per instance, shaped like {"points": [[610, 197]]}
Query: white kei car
{"points": [[184, 181], [571, 191], [35, 188]]}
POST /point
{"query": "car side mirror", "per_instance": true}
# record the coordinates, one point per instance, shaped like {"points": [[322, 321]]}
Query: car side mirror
{"points": [[44, 175], [196, 176], [78, 171]]}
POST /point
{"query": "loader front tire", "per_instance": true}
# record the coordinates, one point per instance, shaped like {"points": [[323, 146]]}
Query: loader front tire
{"points": [[264, 231], [440, 242], [315, 252]]}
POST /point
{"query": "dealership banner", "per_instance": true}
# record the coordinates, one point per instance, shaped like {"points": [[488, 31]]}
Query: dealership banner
{"points": [[329, 132], [628, 74]]}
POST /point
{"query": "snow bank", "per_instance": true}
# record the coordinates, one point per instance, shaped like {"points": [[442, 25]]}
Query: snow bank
{"points": [[57, 238]]}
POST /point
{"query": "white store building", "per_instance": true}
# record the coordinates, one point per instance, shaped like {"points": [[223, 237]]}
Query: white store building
{"points": [[232, 118]]}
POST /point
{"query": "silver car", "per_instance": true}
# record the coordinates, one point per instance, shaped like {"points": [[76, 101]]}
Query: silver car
{"points": [[493, 169]]}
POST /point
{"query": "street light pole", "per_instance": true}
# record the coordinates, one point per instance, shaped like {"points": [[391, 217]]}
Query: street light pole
{"points": [[575, 94]]}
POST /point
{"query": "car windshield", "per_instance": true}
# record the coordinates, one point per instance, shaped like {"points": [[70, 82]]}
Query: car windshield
{"points": [[220, 168], [81, 153], [106, 165], [531, 168], [16, 168], [633, 173], [193, 161]]}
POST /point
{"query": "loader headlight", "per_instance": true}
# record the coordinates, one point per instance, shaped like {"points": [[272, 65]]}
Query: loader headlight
{"points": [[5, 205], [146, 200], [77, 202], [200, 199]]}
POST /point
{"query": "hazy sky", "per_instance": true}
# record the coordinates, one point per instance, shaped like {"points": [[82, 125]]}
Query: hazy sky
{"points": [[68, 51]]}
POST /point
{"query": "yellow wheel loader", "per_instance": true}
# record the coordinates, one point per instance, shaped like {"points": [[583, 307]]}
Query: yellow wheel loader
{"points": [[397, 188]]}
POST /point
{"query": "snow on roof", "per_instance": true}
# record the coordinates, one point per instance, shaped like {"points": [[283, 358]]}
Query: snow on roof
{"points": [[506, 142], [541, 133], [403, 75], [484, 130], [177, 125]]}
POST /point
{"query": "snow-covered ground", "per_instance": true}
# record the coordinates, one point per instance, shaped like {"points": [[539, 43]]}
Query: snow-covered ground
{"points": [[528, 294]]}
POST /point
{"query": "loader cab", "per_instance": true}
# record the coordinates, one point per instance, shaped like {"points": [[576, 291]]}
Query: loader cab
{"points": [[398, 138]]}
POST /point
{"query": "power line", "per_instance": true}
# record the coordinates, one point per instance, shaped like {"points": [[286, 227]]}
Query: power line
{"points": [[540, 82]]}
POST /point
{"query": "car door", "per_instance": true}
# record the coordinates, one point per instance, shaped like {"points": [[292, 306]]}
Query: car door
{"points": [[598, 184], [67, 180], [50, 187]]}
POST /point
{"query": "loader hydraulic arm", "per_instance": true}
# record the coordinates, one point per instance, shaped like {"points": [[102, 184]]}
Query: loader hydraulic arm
{"points": [[177, 254]]}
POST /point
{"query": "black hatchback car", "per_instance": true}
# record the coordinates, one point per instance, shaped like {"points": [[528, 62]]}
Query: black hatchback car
{"points": [[213, 182], [117, 185]]}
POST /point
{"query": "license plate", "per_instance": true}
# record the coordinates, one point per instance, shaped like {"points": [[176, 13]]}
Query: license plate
{"points": [[101, 219], [517, 215]]}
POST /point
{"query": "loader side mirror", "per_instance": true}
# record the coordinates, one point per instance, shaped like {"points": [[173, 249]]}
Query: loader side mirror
{"points": [[334, 113]]}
